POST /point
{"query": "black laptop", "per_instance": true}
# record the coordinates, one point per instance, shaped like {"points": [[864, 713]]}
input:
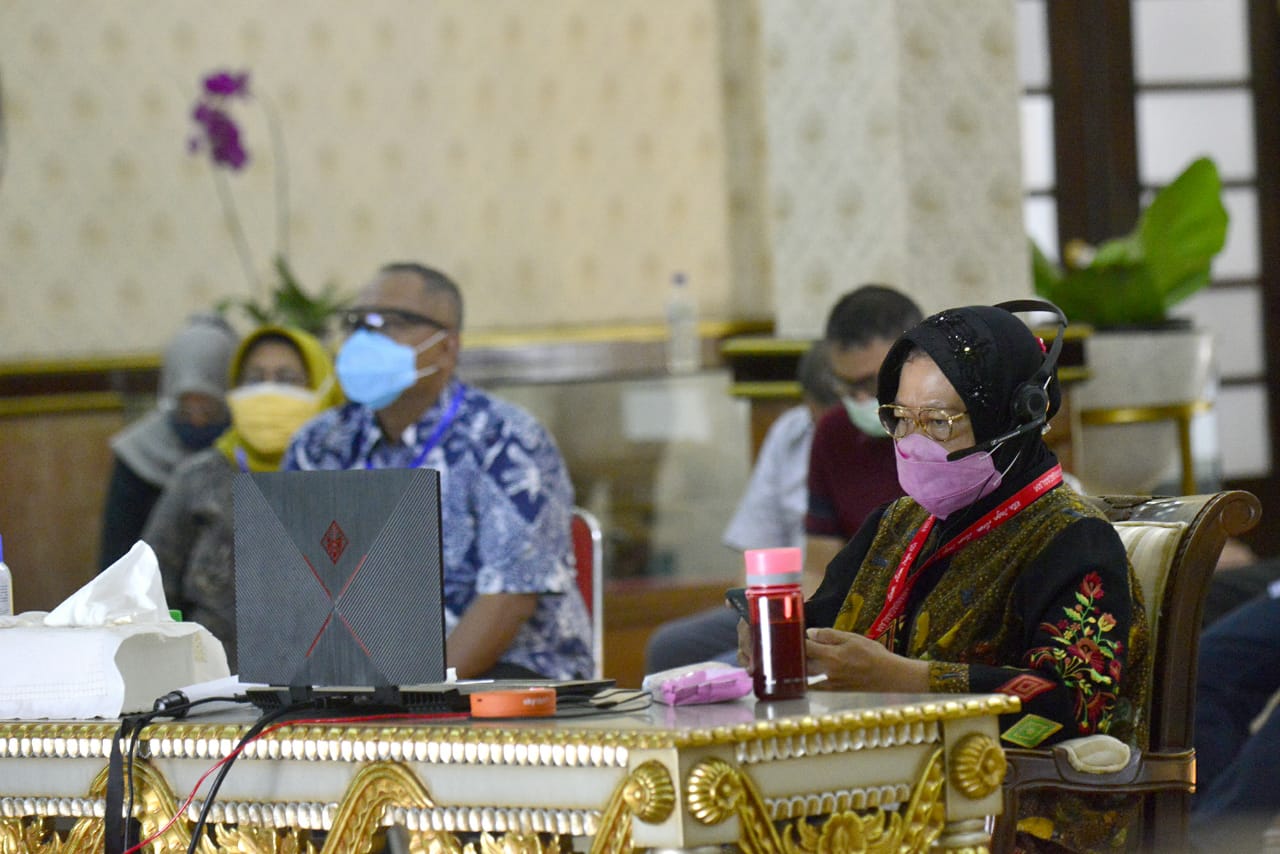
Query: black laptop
{"points": [[339, 589]]}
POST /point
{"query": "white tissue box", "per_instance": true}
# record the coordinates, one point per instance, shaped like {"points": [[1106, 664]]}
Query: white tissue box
{"points": [[77, 672]]}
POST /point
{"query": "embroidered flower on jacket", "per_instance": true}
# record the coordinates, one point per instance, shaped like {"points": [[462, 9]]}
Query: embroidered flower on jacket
{"points": [[1084, 655]]}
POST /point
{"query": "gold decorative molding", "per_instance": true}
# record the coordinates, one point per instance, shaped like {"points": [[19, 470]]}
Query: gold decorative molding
{"points": [[30, 835], [977, 766], [385, 788], [154, 804], [498, 745], [648, 794], [508, 843], [261, 840], [716, 791], [515, 843], [384, 785], [374, 788]]}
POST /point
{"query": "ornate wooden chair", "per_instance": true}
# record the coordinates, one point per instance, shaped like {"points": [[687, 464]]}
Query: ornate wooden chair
{"points": [[1173, 544]]}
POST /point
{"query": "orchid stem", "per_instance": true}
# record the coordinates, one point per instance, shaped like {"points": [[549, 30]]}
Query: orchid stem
{"points": [[281, 163], [237, 232]]}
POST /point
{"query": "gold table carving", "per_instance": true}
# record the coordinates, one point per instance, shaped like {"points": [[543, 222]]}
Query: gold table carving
{"points": [[835, 772]]}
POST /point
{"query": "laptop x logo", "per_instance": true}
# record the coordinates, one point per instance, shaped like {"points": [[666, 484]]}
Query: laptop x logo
{"points": [[333, 605]]}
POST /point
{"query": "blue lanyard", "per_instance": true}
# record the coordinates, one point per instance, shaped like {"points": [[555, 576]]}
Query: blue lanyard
{"points": [[434, 439]]}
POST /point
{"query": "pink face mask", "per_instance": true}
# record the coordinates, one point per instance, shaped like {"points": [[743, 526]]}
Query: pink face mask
{"points": [[939, 485]]}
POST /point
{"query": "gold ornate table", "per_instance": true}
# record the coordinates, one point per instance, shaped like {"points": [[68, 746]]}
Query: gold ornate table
{"points": [[835, 772]]}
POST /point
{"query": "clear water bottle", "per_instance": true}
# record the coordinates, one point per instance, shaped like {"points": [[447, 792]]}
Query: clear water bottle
{"points": [[684, 350], [776, 604], [6, 585]]}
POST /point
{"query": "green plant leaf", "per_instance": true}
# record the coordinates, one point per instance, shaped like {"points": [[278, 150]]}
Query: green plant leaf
{"points": [[1118, 252], [1113, 296], [1045, 275], [1136, 278], [1182, 231]]}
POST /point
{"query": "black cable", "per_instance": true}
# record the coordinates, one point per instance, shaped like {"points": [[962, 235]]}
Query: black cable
{"points": [[175, 712], [129, 768], [252, 733], [115, 820], [631, 701]]}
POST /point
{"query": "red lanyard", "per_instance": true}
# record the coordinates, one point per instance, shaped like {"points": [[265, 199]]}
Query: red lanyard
{"points": [[895, 599]]}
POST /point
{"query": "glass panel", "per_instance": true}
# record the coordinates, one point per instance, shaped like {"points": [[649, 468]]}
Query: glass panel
{"points": [[661, 462], [1040, 215], [1033, 44], [1175, 128], [1239, 258], [1037, 142], [1234, 315], [1187, 40], [1242, 423]]}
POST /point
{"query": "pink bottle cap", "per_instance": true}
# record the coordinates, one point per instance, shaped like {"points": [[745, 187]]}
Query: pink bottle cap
{"points": [[770, 567]]}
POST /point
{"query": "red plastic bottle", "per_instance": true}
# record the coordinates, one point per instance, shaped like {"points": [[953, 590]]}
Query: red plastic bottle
{"points": [[776, 603]]}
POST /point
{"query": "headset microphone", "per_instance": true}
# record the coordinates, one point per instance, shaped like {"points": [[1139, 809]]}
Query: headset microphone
{"points": [[991, 443], [1030, 403]]}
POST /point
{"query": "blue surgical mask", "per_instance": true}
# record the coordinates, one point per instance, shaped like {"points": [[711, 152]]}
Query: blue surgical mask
{"points": [[375, 370], [865, 415], [196, 437]]}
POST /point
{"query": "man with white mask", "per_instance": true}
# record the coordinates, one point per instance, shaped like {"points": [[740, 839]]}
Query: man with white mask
{"points": [[512, 606], [851, 464]]}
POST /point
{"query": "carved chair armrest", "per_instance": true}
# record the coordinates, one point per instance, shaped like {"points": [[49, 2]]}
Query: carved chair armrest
{"points": [[1145, 772]]}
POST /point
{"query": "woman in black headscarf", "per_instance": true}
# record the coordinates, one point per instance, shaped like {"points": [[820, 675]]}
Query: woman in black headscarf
{"points": [[992, 575]]}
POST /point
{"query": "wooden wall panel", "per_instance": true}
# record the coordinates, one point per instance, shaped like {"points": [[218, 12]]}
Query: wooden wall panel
{"points": [[53, 479]]}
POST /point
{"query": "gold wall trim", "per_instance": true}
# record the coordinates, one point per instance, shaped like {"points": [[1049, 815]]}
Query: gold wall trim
{"points": [[637, 332], [762, 345], [627, 332], [80, 365], [765, 390], [1143, 414], [61, 404], [560, 354]]}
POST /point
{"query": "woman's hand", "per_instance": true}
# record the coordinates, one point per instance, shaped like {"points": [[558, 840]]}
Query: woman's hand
{"points": [[744, 646], [856, 663]]}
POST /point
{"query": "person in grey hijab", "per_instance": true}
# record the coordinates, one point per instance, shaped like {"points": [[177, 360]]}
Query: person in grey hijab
{"points": [[190, 413]]}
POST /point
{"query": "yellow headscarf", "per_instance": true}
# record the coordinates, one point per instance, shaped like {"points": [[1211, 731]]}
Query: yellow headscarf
{"points": [[320, 379]]}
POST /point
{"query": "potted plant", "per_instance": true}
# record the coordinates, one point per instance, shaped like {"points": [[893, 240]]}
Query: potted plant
{"points": [[1146, 367], [217, 136]]}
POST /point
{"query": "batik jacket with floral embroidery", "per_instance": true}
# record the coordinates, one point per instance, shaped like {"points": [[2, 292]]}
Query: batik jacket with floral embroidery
{"points": [[1045, 607]]}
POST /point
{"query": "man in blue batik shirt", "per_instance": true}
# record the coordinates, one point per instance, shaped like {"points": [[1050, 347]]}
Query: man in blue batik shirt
{"points": [[512, 605]]}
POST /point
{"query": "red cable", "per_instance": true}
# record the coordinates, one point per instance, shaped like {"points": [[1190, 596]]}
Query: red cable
{"points": [[351, 720]]}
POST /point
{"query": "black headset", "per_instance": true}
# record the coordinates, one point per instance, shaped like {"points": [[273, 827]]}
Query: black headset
{"points": [[1030, 403]]}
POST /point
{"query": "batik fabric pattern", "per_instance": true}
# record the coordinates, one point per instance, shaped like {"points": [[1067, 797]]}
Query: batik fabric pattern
{"points": [[506, 500], [1046, 608]]}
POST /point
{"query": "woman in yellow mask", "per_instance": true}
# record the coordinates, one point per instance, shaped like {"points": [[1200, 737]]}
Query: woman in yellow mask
{"points": [[280, 378]]}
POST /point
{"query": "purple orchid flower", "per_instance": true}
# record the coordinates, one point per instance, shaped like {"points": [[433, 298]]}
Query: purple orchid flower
{"points": [[227, 84], [221, 135]]}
